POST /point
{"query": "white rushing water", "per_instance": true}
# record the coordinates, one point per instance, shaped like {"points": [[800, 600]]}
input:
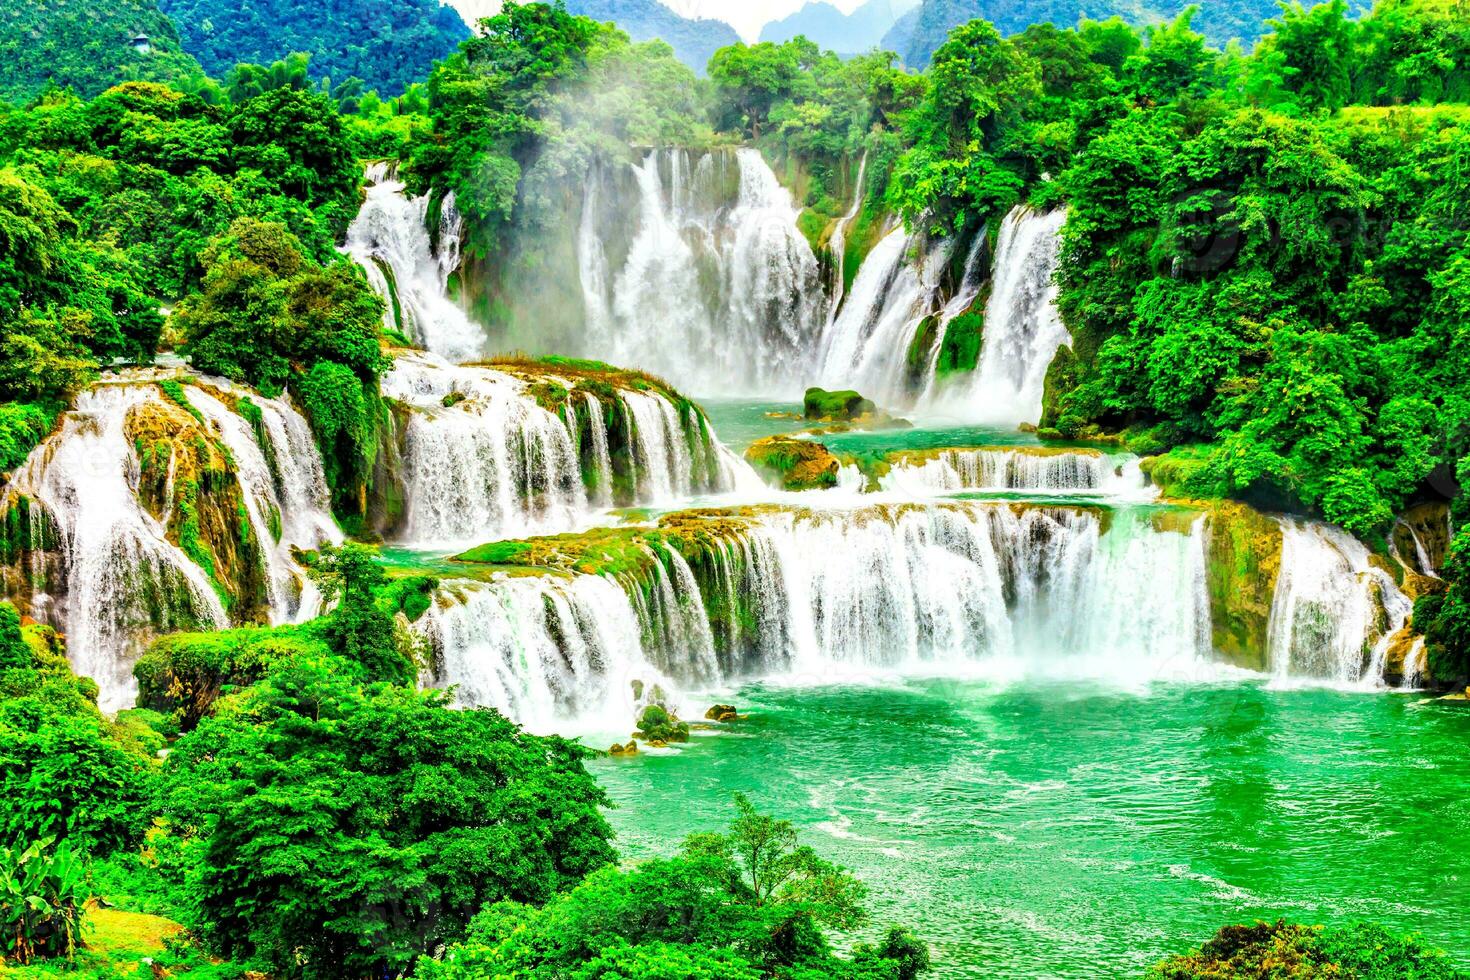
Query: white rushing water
{"points": [[288, 508], [552, 653], [1333, 611], [720, 294], [122, 578], [1023, 328], [835, 596], [119, 581], [837, 244], [1079, 471], [495, 464], [390, 240]]}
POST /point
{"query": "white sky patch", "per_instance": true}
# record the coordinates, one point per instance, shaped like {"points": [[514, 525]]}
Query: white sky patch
{"points": [[749, 16]]}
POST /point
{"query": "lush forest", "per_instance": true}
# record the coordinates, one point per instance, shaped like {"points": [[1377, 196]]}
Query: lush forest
{"points": [[385, 46], [87, 47], [1266, 273]]}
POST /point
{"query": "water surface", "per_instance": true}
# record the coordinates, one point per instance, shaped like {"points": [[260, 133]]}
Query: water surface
{"points": [[1069, 830]]}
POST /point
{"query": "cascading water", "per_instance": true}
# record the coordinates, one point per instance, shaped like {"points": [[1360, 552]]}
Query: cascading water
{"points": [[547, 652], [837, 244], [118, 579], [898, 291], [302, 520], [122, 579], [1073, 471], [719, 290], [492, 463], [390, 240], [484, 460], [1333, 611], [1023, 328], [840, 594]]}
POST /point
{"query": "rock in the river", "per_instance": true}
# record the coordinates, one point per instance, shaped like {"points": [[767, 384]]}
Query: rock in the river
{"points": [[722, 712], [794, 464], [1243, 554]]}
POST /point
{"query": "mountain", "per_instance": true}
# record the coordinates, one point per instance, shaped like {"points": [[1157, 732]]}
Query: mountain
{"points": [[859, 31], [86, 45], [386, 43], [694, 41], [918, 33]]}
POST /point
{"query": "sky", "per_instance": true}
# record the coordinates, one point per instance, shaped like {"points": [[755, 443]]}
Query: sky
{"points": [[746, 16], [749, 16]]}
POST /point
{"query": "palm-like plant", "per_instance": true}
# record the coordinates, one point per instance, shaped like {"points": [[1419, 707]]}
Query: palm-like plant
{"points": [[43, 896]]}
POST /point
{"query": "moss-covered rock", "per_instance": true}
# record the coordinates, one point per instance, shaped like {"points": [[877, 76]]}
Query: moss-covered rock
{"points": [[187, 479], [1243, 560], [794, 464], [659, 726], [1062, 375], [836, 406], [1182, 473]]}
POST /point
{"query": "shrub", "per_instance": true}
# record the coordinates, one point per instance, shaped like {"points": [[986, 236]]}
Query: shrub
{"points": [[43, 897]]}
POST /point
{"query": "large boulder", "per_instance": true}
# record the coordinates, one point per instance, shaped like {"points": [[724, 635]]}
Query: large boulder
{"points": [[836, 406], [1243, 560], [794, 464]]}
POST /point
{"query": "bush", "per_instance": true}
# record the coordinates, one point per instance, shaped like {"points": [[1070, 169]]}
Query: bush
{"points": [[43, 897], [22, 427], [345, 831], [1281, 950], [749, 903]]}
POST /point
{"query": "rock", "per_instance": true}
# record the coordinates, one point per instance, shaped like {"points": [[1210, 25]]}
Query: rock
{"points": [[1028, 427], [794, 464], [660, 726], [1243, 559], [839, 405], [453, 398], [630, 749], [718, 712]]}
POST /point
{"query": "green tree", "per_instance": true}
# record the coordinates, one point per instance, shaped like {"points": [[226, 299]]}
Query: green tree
{"points": [[357, 629], [749, 903], [342, 831]]}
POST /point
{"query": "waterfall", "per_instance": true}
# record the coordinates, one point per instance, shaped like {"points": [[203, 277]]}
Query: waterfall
{"points": [[302, 519], [547, 652], [1071, 471], [483, 460], [1416, 665], [602, 457], [1023, 329], [866, 345], [491, 465], [719, 290], [839, 595], [122, 578], [118, 580], [1032, 590], [898, 292], [1332, 612], [390, 240]]}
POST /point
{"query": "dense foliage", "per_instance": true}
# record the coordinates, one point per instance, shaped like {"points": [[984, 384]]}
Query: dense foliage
{"points": [[917, 36], [739, 906], [342, 830], [1356, 952], [387, 44], [87, 47]]}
